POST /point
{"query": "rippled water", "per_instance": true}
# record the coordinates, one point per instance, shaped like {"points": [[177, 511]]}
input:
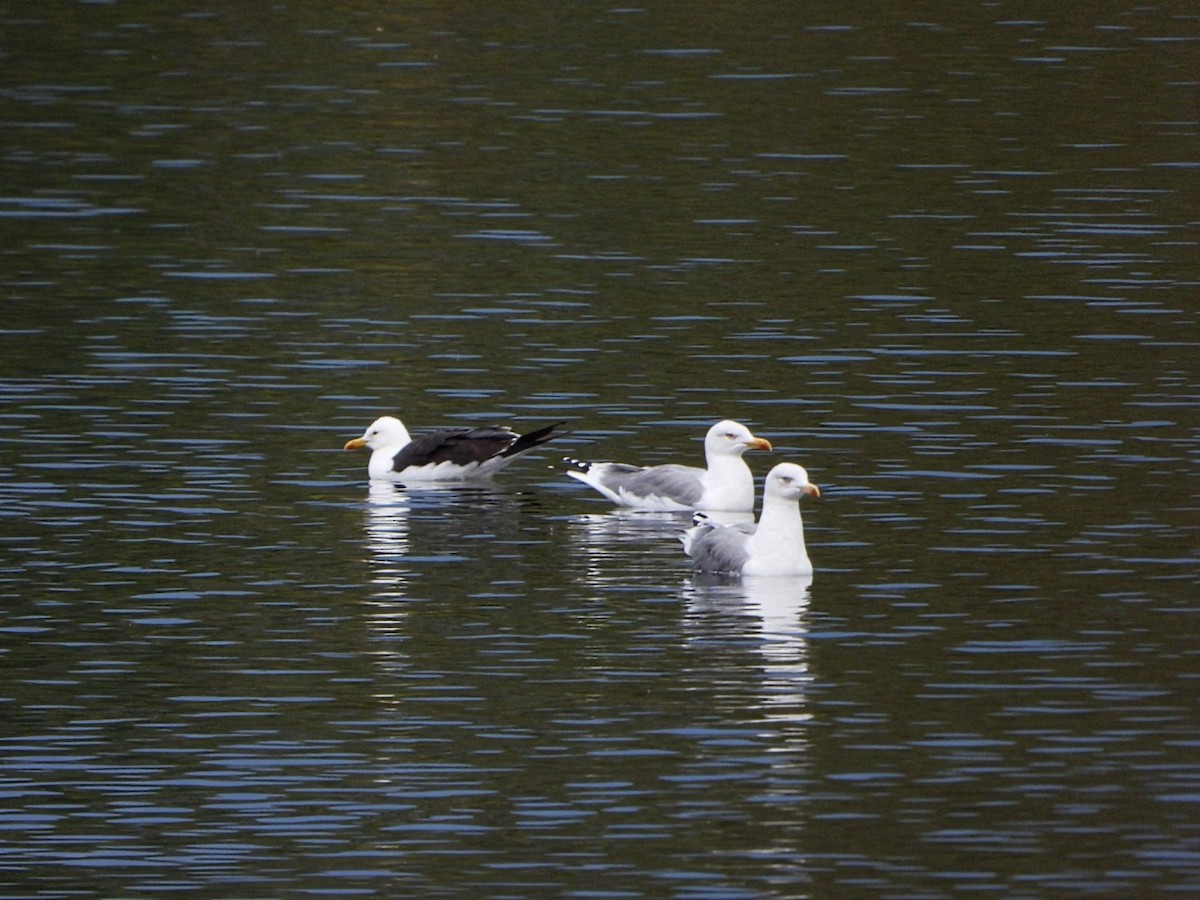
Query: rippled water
{"points": [[944, 258]]}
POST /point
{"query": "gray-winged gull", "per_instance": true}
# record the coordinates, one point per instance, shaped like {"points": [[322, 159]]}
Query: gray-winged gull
{"points": [[450, 454], [726, 485], [775, 546]]}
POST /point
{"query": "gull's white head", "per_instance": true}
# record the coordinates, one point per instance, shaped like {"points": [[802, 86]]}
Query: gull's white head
{"points": [[789, 481], [729, 438], [386, 431]]}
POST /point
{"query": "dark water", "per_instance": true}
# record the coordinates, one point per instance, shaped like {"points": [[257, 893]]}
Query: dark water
{"points": [[945, 258]]}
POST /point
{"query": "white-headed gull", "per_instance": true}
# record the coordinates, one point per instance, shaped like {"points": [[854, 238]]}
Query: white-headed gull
{"points": [[775, 546], [449, 454], [726, 485]]}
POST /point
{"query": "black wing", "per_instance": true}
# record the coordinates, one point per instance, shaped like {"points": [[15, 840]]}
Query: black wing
{"points": [[464, 446]]}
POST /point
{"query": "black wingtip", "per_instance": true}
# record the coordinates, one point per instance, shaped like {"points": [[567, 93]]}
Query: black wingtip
{"points": [[581, 465], [535, 438]]}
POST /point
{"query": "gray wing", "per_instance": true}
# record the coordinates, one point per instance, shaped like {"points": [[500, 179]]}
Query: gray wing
{"points": [[718, 548], [680, 483]]}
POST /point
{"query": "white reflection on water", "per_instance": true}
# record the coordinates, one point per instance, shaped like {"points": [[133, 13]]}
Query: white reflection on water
{"points": [[778, 608], [606, 541], [387, 533], [408, 530], [386, 521], [781, 604], [602, 536]]}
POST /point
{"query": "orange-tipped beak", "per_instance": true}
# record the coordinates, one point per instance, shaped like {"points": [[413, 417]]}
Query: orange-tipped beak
{"points": [[812, 490], [758, 444], [356, 444]]}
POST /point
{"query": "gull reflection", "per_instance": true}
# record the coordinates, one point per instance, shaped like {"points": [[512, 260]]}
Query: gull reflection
{"points": [[407, 531], [600, 532], [409, 528], [386, 525], [781, 604], [603, 533], [778, 608], [387, 533], [618, 541]]}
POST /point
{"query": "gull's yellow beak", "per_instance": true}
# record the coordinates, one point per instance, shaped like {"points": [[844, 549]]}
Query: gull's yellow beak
{"points": [[356, 444]]}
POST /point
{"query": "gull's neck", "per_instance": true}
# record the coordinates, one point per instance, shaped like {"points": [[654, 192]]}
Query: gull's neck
{"points": [[380, 464], [780, 532], [728, 483]]}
